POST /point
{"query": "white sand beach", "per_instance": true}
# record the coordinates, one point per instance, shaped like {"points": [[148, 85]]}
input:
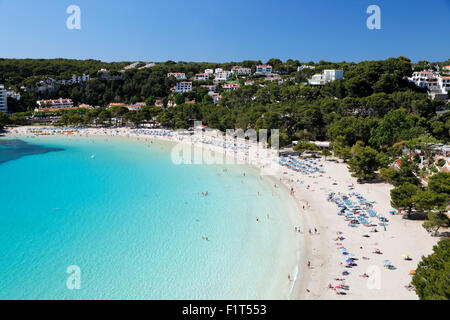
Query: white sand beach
{"points": [[321, 248]]}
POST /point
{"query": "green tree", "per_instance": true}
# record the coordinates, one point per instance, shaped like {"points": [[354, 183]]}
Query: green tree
{"points": [[341, 149], [150, 101], [440, 183], [4, 119], [303, 146], [402, 197], [428, 200], [435, 221], [431, 278], [179, 99], [326, 153], [364, 163], [405, 174]]}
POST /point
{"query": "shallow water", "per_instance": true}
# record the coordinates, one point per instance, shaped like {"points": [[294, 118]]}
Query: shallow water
{"points": [[134, 223]]}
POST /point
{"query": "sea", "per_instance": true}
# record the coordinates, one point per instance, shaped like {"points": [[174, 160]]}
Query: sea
{"points": [[116, 218]]}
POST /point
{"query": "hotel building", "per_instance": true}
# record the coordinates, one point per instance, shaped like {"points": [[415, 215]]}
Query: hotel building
{"points": [[325, 77], [263, 70], [58, 103], [3, 101], [241, 70], [223, 75], [184, 86], [201, 76], [177, 75], [230, 86]]}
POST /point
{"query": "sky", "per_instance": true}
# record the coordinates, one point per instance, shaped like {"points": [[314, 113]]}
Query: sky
{"points": [[225, 30]]}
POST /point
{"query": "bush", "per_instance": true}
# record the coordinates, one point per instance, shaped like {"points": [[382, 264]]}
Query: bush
{"points": [[431, 278]]}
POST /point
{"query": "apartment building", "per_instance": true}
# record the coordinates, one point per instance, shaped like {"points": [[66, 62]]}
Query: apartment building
{"points": [[230, 86], [444, 84], [57, 103], [223, 75], [263, 70], [177, 75], [184, 86], [3, 100], [241, 71], [326, 76], [201, 76], [210, 87]]}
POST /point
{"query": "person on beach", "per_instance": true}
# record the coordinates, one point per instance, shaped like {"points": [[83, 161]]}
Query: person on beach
{"points": [[289, 277], [309, 264], [315, 230], [364, 275]]}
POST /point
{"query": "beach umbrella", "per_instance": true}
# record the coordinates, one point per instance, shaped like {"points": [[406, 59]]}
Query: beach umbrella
{"points": [[349, 260]]}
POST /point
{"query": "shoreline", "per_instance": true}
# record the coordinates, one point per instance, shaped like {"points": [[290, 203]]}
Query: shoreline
{"points": [[319, 248], [282, 288]]}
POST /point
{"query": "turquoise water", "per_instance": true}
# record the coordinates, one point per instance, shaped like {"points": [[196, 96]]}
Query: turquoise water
{"points": [[133, 222]]}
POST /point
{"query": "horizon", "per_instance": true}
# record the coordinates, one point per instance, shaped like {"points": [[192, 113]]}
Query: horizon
{"points": [[196, 32], [223, 62]]}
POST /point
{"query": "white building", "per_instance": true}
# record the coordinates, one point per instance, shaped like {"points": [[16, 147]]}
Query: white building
{"points": [[436, 85], [317, 80], [326, 76], [223, 75], [218, 70], [241, 70], [446, 68], [3, 100], [209, 71], [305, 67], [184, 86], [230, 86], [177, 75], [263, 70], [135, 107], [333, 75], [201, 76], [423, 78], [57, 103], [444, 84], [249, 82], [210, 87]]}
